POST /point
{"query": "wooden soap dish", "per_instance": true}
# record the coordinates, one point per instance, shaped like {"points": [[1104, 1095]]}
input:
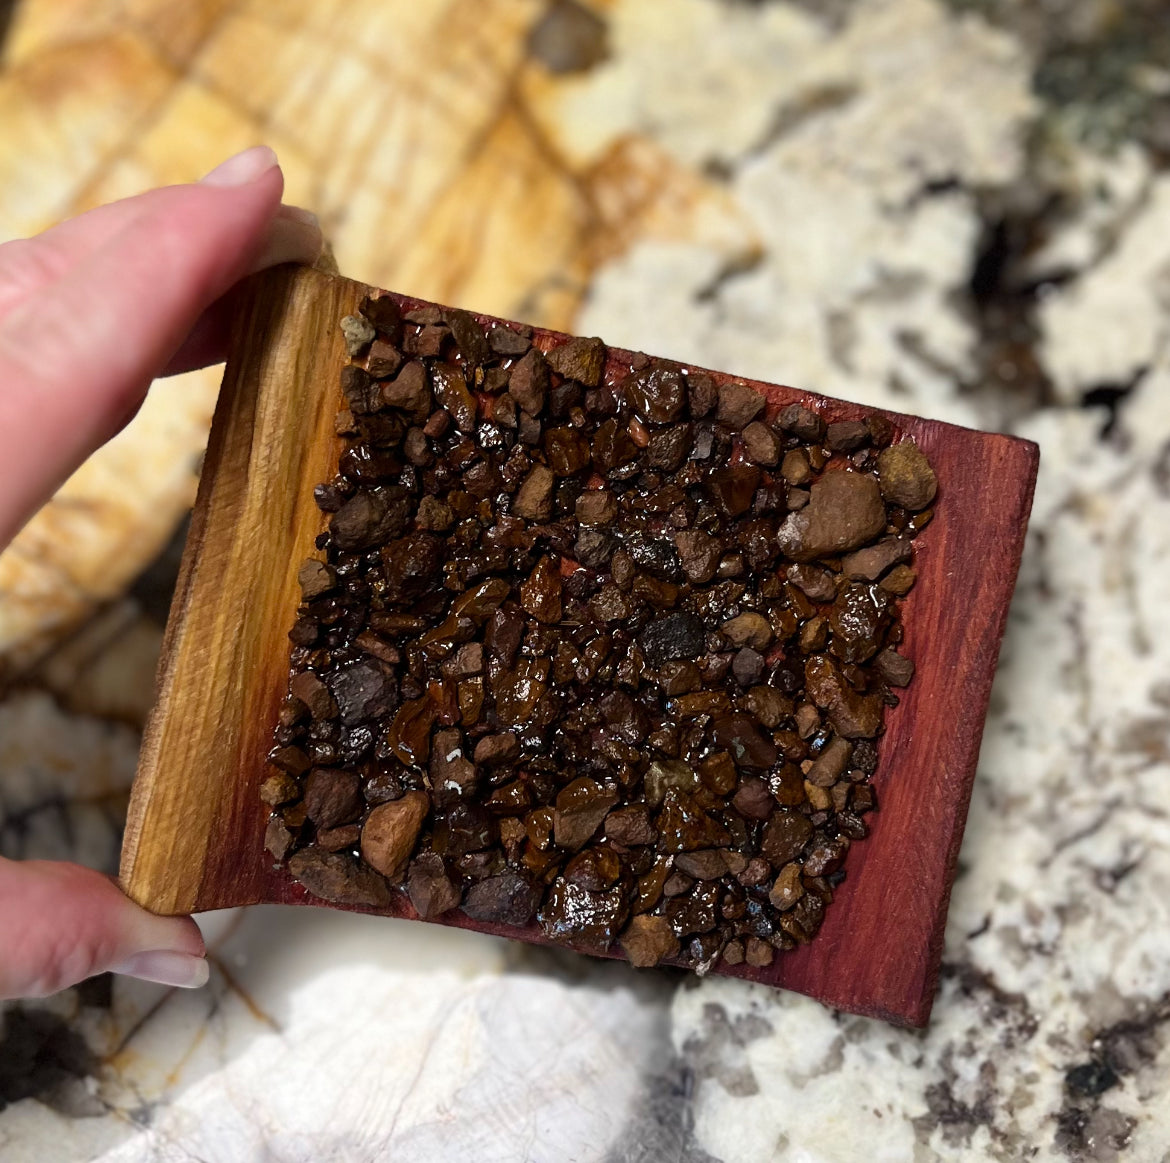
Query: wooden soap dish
{"points": [[195, 834]]}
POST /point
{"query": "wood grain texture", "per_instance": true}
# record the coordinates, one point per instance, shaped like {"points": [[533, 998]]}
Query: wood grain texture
{"points": [[194, 839]]}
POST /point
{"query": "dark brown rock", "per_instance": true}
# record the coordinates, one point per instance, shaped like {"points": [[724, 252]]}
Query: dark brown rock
{"points": [[830, 765], [579, 359], [768, 705], [684, 826], [453, 775], [851, 715], [612, 447], [336, 839], [761, 445], [410, 392], [580, 808], [584, 920], [449, 385], [417, 449], [845, 510], [656, 393], [785, 836], [540, 594], [732, 488], [895, 668], [739, 405], [704, 864], [370, 518], [469, 336], [337, 877], [529, 382], [384, 313], [278, 840], [702, 394], [699, 554], [817, 584], [290, 759], [494, 750], [566, 451], [753, 798], [428, 342], [311, 691], [802, 422], [847, 435], [741, 737], [717, 771], [509, 341], [430, 889], [858, 621], [595, 869], [333, 797], [668, 447], [630, 826], [507, 899], [384, 360], [534, 500], [870, 563], [363, 691], [596, 507], [466, 661], [315, 578]]}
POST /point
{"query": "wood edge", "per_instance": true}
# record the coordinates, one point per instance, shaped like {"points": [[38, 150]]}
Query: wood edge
{"points": [[148, 777], [1026, 453], [150, 773]]}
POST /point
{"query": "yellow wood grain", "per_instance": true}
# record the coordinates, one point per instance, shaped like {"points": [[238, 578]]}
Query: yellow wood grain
{"points": [[225, 658]]}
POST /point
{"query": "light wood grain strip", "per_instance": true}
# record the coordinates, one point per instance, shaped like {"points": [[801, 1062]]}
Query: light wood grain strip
{"points": [[225, 658]]}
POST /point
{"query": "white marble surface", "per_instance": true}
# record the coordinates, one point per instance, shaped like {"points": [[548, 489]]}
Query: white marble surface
{"points": [[862, 160]]}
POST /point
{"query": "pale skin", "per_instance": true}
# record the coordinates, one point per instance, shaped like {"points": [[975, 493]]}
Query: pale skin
{"points": [[90, 312]]}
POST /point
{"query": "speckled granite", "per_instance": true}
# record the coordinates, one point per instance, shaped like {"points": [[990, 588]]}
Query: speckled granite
{"points": [[932, 233]]}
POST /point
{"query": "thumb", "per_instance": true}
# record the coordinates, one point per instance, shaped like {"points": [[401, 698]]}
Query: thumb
{"points": [[78, 353], [61, 923]]}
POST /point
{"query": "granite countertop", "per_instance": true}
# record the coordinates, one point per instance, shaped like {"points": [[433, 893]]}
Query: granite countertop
{"points": [[953, 208]]}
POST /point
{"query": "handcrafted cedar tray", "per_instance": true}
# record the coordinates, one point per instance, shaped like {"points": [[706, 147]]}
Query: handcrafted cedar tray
{"points": [[194, 838]]}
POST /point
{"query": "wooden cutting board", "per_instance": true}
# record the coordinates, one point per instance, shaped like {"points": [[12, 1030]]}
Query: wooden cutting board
{"points": [[194, 838]]}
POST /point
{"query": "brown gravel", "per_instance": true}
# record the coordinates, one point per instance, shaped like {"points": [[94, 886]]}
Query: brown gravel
{"points": [[602, 648]]}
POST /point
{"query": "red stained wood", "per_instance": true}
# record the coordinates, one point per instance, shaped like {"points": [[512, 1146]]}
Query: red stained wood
{"points": [[879, 949]]}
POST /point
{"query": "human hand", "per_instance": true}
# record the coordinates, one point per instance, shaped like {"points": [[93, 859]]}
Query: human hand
{"points": [[90, 312]]}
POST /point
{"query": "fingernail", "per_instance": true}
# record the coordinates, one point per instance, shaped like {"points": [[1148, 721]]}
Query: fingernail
{"points": [[299, 214], [243, 168], [289, 240], [167, 968]]}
